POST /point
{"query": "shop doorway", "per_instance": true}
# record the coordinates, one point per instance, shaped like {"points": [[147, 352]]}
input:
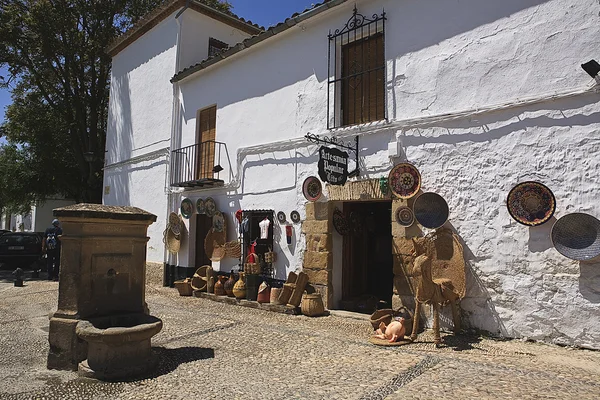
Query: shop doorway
{"points": [[203, 226], [367, 269]]}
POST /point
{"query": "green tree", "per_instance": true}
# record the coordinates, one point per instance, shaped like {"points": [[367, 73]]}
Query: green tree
{"points": [[56, 126]]}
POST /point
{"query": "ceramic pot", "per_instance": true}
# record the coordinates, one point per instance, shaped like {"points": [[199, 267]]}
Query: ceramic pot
{"points": [[229, 284], [312, 305], [219, 286], [239, 289], [264, 293], [274, 296]]}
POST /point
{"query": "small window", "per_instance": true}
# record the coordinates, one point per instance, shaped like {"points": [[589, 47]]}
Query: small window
{"points": [[356, 92], [215, 47]]}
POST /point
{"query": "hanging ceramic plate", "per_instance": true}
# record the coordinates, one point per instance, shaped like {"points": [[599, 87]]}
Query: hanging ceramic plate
{"points": [[281, 217], [210, 206], [404, 180], [340, 223], [312, 188], [577, 236], [295, 216], [200, 206], [405, 216], [218, 222], [531, 203], [187, 208], [431, 210]]}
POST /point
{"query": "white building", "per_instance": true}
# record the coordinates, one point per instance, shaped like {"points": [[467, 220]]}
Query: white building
{"points": [[478, 95]]}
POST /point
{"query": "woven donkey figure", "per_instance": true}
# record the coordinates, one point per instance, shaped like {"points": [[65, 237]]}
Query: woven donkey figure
{"points": [[437, 292]]}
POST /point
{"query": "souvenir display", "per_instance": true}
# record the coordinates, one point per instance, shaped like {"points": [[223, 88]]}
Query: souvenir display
{"points": [[295, 216], [210, 207], [431, 210], [405, 216], [531, 203], [218, 222], [200, 207], [312, 188], [404, 180], [340, 223], [281, 217], [187, 208], [577, 236]]}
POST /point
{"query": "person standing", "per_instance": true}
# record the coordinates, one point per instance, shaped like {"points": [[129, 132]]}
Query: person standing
{"points": [[51, 246]]}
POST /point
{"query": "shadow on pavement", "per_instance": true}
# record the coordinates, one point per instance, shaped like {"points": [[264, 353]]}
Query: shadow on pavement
{"points": [[169, 359], [461, 342]]}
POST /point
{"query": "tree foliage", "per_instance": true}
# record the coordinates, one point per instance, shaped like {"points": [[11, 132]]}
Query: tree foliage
{"points": [[56, 126]]}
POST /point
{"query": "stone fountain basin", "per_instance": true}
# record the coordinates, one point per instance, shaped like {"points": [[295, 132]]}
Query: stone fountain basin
{"points": [[118, 345], [117, 329]]}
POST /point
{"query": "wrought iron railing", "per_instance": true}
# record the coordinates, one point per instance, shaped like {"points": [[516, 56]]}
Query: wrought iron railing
{"points": [[201, 164]]}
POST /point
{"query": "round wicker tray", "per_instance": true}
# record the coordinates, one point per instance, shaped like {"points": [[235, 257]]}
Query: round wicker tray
{"points": [[577, 236]]}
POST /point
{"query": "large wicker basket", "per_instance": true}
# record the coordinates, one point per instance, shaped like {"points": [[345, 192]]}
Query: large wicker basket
{"points": [[184, 287], [252, 267]]}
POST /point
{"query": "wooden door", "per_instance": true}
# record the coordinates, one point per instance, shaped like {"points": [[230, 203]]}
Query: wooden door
{"points": [[205, 155]]}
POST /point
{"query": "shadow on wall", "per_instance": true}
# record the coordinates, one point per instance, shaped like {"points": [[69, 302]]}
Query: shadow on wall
{"points": [[477, 295], [539, 236], [589, 280], [518, 123]]}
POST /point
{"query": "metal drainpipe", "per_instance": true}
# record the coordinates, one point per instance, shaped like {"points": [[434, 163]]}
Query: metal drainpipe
{"points": [[171, 259]]}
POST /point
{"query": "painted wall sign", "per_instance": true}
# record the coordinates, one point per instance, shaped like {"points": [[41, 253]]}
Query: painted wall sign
{"points": [[333, 165]]}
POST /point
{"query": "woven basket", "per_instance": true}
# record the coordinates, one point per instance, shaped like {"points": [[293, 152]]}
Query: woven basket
{"points": [[171, 241], [200, 278], [218, 252], [270, 257], [184, 287], [252, 267], [213, 239], [233, 249]]}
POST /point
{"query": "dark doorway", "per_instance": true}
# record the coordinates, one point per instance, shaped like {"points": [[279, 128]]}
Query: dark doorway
{"points": [[203, 226], [367, 270]]}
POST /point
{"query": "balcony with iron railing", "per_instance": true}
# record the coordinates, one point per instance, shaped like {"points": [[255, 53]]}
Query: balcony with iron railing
{"points": [[201, 165]]}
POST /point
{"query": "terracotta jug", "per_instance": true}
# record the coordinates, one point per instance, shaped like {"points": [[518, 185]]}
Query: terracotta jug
{"points": [[219, 286], [239, 289], [264, 293], [229, 284]]}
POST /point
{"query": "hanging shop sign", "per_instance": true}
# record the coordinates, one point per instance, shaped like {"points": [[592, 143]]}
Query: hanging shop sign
{"points": [[333, 165]]}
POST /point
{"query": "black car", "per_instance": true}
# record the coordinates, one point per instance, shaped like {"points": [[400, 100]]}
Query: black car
{"points": [[21, 249]]}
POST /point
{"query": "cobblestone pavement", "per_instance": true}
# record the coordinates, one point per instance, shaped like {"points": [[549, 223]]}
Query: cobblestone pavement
{"points": [[219, 351]]}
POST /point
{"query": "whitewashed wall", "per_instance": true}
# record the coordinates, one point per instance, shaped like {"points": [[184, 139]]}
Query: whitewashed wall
{"points": [[473, 61], [197, 29]]}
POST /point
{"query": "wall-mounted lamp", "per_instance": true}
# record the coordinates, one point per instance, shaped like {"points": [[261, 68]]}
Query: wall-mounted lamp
{"points": [[593, 69], [217, 168]]}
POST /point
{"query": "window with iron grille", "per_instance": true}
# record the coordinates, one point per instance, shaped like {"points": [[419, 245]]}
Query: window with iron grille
{"points": [[215, 47], [356, 85]]}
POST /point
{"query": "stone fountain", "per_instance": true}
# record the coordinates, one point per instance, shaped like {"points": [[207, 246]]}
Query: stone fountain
{"points": [[102, 327]]}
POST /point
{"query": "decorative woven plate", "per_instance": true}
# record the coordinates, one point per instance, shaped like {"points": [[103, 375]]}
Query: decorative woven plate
{"points": [[218, 222], [281, 217], [187, 208], [312, 188], [200, 206], [295, 216], [577, 236], [531, 203], [431, 210], [404, 180], [340, 223], [211, 206], [405, 216]]}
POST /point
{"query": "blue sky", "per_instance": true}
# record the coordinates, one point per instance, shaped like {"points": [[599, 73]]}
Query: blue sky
{"points": [[262, 12]]}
